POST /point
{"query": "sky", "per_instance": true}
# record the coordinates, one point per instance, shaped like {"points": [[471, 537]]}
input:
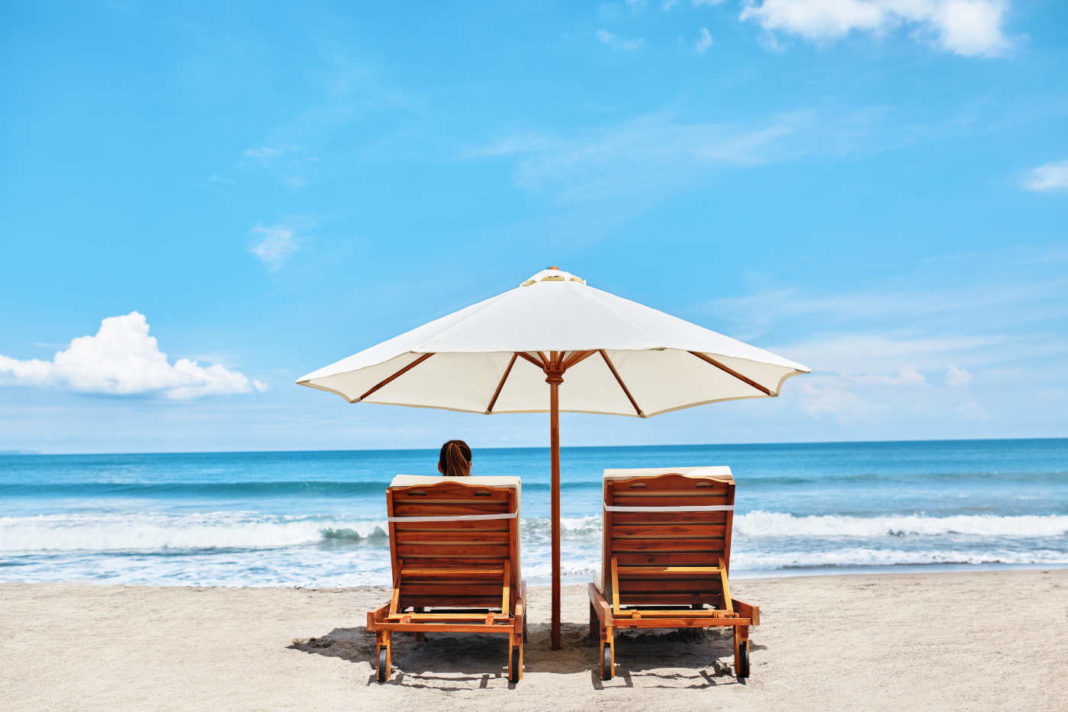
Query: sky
{"points": [[201, 202]]}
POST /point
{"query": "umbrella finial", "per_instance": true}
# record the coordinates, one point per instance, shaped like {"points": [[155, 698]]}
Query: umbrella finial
{"points": [[552, 274]]}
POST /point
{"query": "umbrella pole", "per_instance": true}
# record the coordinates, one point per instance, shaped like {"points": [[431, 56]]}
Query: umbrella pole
{"points": [[554, 381]]}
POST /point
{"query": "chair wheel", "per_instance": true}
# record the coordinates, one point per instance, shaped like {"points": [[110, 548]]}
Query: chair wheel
{"points": [[383, 656], [513, 676], [606, 664], [743, 659]]}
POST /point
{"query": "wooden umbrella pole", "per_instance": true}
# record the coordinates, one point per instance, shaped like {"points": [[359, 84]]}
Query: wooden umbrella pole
{"points": [[554, 378]]}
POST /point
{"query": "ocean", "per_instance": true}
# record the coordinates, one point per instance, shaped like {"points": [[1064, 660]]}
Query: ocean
{"points": [[317, 519]]}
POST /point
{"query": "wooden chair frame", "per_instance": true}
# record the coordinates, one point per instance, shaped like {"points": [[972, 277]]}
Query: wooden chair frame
{"points": [[454, 546], [674, 540]]}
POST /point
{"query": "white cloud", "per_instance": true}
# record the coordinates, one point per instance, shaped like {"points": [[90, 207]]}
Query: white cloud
{"points": [[966, 27], [704, 41], [958, 377], [620, 43], [122, 359], [1050, 176], [274, 245]]}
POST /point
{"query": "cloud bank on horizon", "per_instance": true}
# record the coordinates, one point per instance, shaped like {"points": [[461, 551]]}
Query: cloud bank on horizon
{"points": [[122, 359]]}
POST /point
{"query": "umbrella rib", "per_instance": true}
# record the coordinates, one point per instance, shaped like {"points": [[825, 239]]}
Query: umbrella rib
{"points": [[396, 375], [576, 357], [504, 377], [527, 357], [626, 391], [748, 381]]}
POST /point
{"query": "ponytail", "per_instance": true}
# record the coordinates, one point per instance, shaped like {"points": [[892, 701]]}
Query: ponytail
{"points": [[455, 459]]}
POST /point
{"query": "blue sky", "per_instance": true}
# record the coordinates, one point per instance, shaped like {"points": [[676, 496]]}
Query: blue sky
{"points": [[876, 188]]}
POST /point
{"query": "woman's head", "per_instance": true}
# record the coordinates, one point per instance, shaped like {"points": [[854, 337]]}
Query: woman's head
{"points": [[455, 459]]}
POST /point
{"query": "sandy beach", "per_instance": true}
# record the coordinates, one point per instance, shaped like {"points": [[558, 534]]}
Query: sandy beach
{"points": [[974, 640]]}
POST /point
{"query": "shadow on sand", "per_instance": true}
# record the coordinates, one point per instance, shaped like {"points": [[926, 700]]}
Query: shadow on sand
{"points": [[678, 659]]}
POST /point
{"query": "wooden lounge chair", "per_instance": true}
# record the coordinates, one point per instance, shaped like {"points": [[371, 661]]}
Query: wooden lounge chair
{"points": [[667, 549], [454, 542]]}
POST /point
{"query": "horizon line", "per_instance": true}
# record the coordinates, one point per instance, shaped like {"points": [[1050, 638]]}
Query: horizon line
{"points": [[28, 453]]}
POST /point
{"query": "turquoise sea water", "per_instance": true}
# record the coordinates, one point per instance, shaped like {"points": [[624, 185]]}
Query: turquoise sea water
{"points": [[317, 518]]}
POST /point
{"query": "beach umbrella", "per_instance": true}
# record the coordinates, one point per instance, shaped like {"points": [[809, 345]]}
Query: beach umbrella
{"points": [[555, 344]]}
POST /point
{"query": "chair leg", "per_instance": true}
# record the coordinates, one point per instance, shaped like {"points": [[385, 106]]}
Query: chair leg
{"points": [[593, 621], [384, 655], [741, 651], [608, 653], [515, 658]]}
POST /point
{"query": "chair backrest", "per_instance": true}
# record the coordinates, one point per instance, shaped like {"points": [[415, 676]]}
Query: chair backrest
{"points": [[452, 539], [667, 517]]}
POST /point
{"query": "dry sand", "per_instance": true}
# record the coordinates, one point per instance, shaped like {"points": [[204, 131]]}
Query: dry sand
{"points": [[976, 640]]}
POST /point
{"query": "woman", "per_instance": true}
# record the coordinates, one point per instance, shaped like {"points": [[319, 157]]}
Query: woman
{"points": [[455, 459]]}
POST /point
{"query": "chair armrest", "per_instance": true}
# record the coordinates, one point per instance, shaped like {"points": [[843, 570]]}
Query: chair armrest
{"points": [[747, 610]]}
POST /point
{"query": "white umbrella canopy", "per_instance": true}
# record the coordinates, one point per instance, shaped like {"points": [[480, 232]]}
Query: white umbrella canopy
{"points": [[634, 360], [598, 353]]}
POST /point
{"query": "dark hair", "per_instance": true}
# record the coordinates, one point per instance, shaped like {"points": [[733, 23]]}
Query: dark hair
{"points": [[455, 459]]}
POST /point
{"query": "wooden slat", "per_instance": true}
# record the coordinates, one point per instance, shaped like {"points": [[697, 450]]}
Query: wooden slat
{"points": [[667, 545], [726, 587], [669, 481], [502, 626], [439, 616], [453, 551], [672, 518], [666, 501], [466, 538], [488, 588], [477, 525], [665, 599], [480, 500], [401, 509], [667, 559], [681, 622], [694, 495], [454, 601], [464, 569], [615, 585], [664, 584], [506, 594], [638, 613], [646, 571], [451, 492], [663, 531]]}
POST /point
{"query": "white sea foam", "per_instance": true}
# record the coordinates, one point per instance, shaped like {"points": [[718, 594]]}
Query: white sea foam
{"points": [[139, 532], [857, 557], [779, 524]]}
